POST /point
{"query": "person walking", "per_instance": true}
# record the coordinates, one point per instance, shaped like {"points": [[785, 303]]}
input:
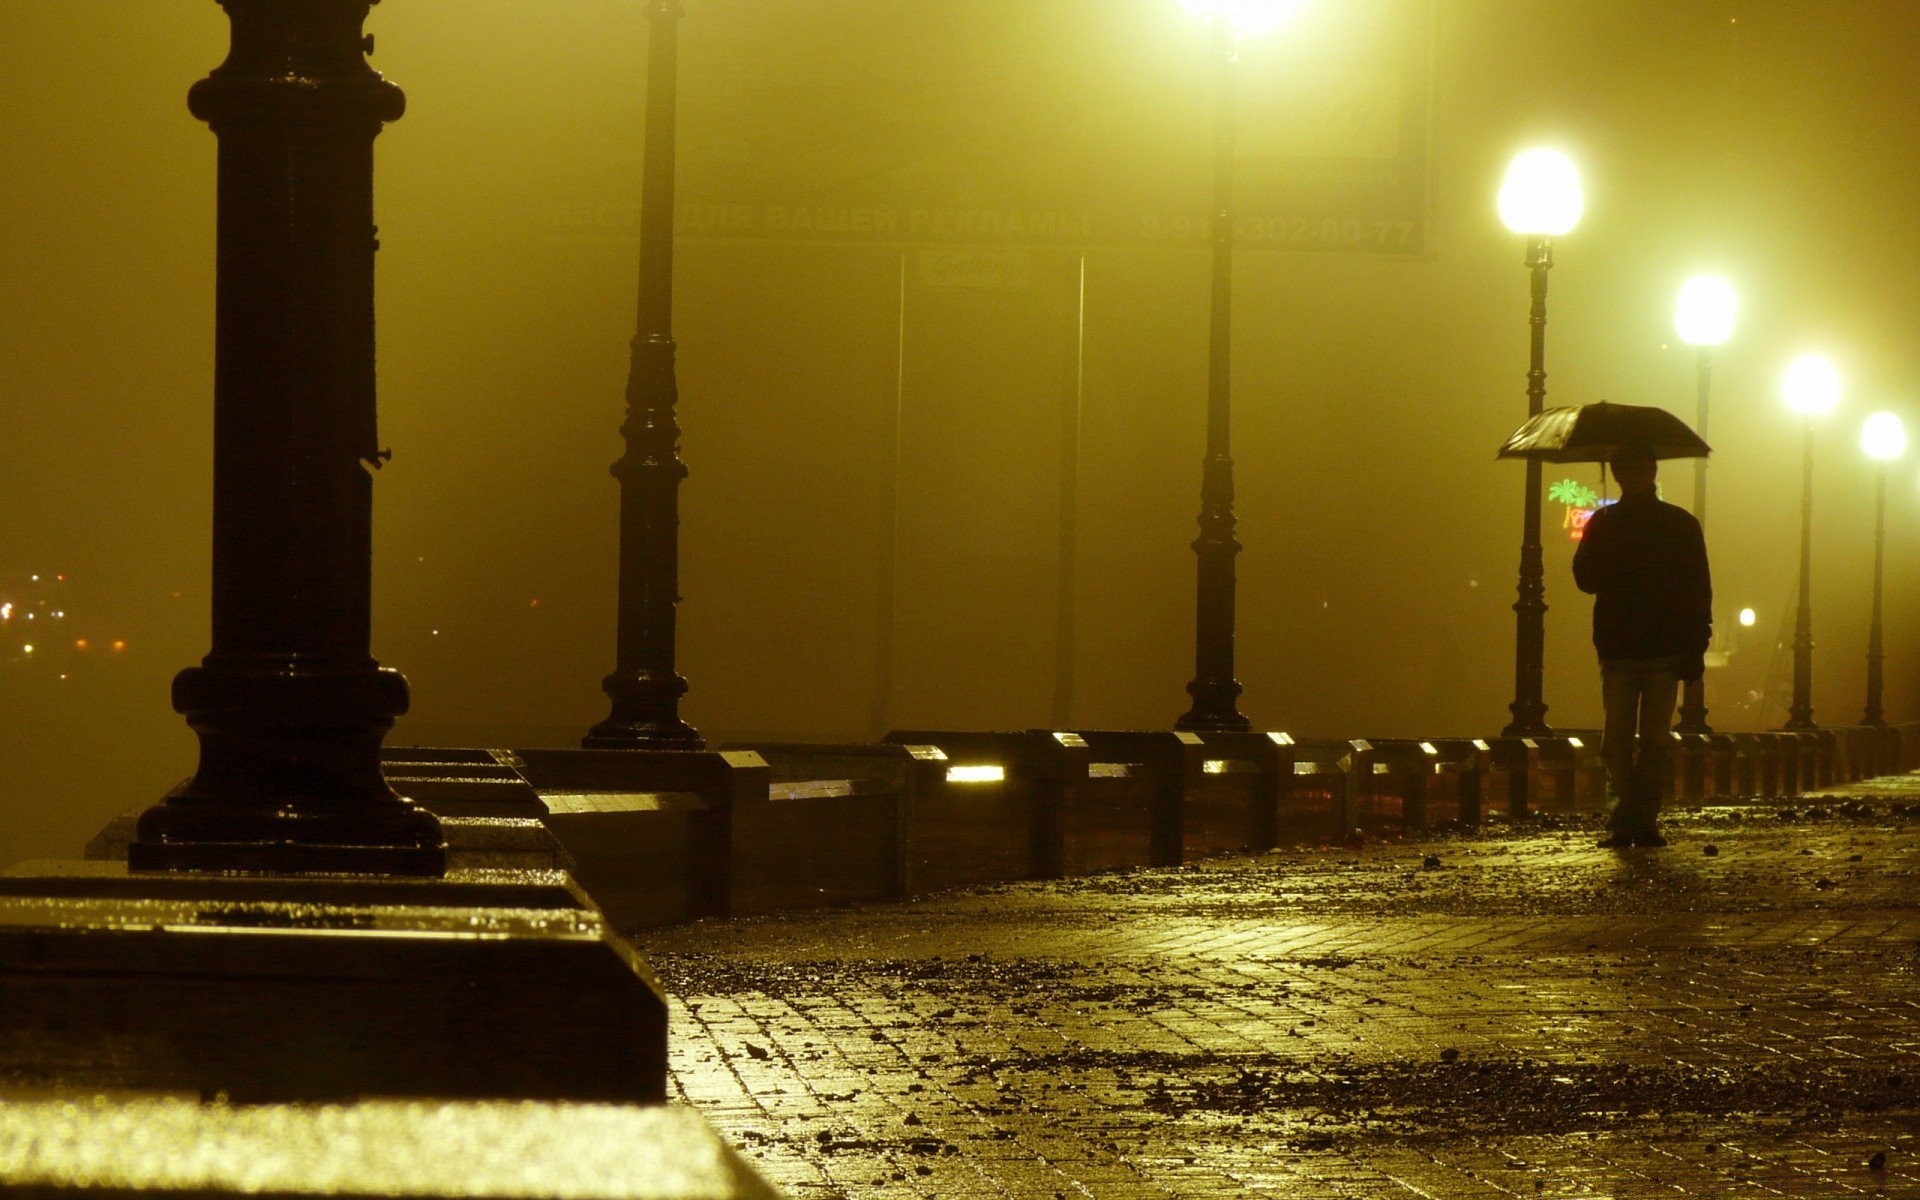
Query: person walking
{"points": [[1645, 563]]}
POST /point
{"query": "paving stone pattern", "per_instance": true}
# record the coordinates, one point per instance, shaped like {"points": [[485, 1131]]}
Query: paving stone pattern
{"points": [[1513, 1012]]}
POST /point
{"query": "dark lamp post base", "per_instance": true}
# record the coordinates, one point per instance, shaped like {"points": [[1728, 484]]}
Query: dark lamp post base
{"points": [[289, 776], [643, 735], [645, 715], [1693, 708], [1213, 717], [1532, 726]]}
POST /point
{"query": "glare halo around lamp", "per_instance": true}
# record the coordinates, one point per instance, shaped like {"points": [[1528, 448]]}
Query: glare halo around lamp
{"points": [[1247, 18], [1883, 438], [1811, 387], [1214, 690], [1703, 318], [1540, 198]]}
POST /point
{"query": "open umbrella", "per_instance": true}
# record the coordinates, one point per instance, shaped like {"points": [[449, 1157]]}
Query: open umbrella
{"points": [[1599, 432]]}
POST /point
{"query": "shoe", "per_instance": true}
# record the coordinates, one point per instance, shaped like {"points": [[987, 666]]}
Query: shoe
{"points": [[1648, 839]]}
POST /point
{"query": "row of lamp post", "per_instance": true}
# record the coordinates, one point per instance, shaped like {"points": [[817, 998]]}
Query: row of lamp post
{"points": [[1541, 199], [289, 705], [1811, 387]]}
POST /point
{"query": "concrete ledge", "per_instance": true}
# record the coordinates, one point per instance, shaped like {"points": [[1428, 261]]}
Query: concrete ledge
{"points": [[104, 1149], [658, 837], [487, 984], [815, 843], [1244, 784], [496, 843]]}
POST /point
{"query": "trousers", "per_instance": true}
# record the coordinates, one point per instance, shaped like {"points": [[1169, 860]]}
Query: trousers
{"points": [[1637, 746]]}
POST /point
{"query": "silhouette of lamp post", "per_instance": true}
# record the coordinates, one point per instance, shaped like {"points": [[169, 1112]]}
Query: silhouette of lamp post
{"points": [[1811, 387], [1703, 317], [1883, 438], [289, 705], [1539, 198], [644, 687], [1214, 689]]}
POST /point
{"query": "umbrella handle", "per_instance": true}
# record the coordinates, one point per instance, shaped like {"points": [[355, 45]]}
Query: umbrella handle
{"points": [[1603, 479]]}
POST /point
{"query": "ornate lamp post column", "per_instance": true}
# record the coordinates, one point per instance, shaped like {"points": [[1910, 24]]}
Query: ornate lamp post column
{"points": [[644, 687], [1811, 387], [1214, 689], [1539, 198], [289, 705], [1884, 438], [1703, 317]]}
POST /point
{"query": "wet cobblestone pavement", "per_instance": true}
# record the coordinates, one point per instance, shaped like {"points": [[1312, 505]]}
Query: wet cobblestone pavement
{"points": [[1508, 1013]]}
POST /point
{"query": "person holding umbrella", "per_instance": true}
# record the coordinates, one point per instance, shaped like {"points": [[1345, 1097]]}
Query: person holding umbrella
{"points": [[1645, 563]]}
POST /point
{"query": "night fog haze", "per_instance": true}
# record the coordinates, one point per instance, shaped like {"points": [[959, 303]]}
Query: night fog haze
{"points": [[942, 310]]}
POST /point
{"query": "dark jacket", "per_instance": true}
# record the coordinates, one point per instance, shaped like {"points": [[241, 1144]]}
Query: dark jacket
{"points": [[1645, 562]]}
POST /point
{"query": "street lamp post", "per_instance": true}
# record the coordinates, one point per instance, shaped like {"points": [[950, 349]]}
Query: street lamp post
{"points": [[1811, 387], [1884, 438], [289, 704], [645, 688], [1214, 689], [1703, 317], [1539, 198]]}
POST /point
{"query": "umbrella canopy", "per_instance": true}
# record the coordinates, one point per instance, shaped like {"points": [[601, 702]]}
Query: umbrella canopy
{"points": [[1600, 432]]}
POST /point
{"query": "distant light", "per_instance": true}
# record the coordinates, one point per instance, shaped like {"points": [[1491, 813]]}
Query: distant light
{"points": [[61, 579], [63, 675], [59, 616], [80, 643], [28, 648], [1703, 314], [1747, 618], [976, 774], [1541, 194], [436, 633], [1883, 436], [534, 604], [118, 644], [1811, 385], [1248, 17], [29, 616], [6, 611], [34, 578], [1214, 766]]}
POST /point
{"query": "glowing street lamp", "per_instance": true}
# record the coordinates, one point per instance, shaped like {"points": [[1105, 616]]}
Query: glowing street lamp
{"points": [[1703, 317], [1811, 387], [1214, 689], [1541, 199], [1883, 438]]}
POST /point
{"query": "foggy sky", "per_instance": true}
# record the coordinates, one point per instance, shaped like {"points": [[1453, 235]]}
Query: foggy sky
{"points": [[1771, 141]]}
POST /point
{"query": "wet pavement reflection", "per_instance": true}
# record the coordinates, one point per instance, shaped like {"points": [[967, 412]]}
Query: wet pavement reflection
{"points": [[1513, 1012]]}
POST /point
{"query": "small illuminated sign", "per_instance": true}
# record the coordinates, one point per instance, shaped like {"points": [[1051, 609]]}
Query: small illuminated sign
{"points": [[976, 774]]}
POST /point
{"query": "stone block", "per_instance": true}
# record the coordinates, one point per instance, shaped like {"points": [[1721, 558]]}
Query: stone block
{"points": [[817, 842], [473, 843], [120, 1149], [485, 984]]}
